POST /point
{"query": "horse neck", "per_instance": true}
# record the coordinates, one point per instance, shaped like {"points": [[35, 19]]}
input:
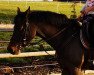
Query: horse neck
{"points": [[48, 34], [47, 31]]}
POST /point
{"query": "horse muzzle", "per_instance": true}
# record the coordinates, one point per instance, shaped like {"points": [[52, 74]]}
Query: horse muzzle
{"points": [[15, 50]]}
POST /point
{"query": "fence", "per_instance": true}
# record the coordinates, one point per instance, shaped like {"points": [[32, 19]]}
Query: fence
{"points": [[27, 54], [27, 0]]}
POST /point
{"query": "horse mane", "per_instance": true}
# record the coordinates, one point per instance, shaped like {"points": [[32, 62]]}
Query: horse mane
{"points": [[49, 18], [40, 17]]}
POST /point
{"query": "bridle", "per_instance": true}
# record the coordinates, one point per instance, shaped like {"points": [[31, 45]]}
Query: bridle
{"points": [[54, 35], [26, 31]]}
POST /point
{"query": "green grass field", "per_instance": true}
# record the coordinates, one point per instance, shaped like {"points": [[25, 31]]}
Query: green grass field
{"points": [[8, 9]]}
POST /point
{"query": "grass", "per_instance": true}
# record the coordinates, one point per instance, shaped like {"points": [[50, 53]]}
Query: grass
{"points": [[8, 9]]}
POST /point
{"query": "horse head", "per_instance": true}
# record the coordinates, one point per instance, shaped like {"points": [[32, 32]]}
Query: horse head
{"points": [[20, 37]]}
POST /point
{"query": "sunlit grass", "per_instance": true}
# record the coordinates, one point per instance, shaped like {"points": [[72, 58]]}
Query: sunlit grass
{"points": [[8, 9]]}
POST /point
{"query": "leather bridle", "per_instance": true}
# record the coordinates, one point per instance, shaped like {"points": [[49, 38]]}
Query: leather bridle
{"points": [[55, 35]]}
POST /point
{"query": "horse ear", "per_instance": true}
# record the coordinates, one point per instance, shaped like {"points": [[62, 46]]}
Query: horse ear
{"points": [[28, 10], [18, 10]]}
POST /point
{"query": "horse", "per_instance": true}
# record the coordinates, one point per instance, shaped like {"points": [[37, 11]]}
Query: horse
{"points": [[62, 33]]}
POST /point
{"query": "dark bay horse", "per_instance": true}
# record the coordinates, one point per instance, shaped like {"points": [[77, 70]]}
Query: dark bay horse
{"points": [[62, 33]]}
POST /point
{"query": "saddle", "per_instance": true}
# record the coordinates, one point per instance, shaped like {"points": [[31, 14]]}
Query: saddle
{"points": [[86, 32]]}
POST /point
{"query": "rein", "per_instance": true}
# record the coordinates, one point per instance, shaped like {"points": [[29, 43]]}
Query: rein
{"points": [[55, 35]]}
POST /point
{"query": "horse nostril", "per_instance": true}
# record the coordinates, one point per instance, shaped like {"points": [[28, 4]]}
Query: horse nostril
{"points": [[13, 50], [10, 50]]}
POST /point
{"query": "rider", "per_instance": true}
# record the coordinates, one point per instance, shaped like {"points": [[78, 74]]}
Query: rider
{"points": [[87, 9]]}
